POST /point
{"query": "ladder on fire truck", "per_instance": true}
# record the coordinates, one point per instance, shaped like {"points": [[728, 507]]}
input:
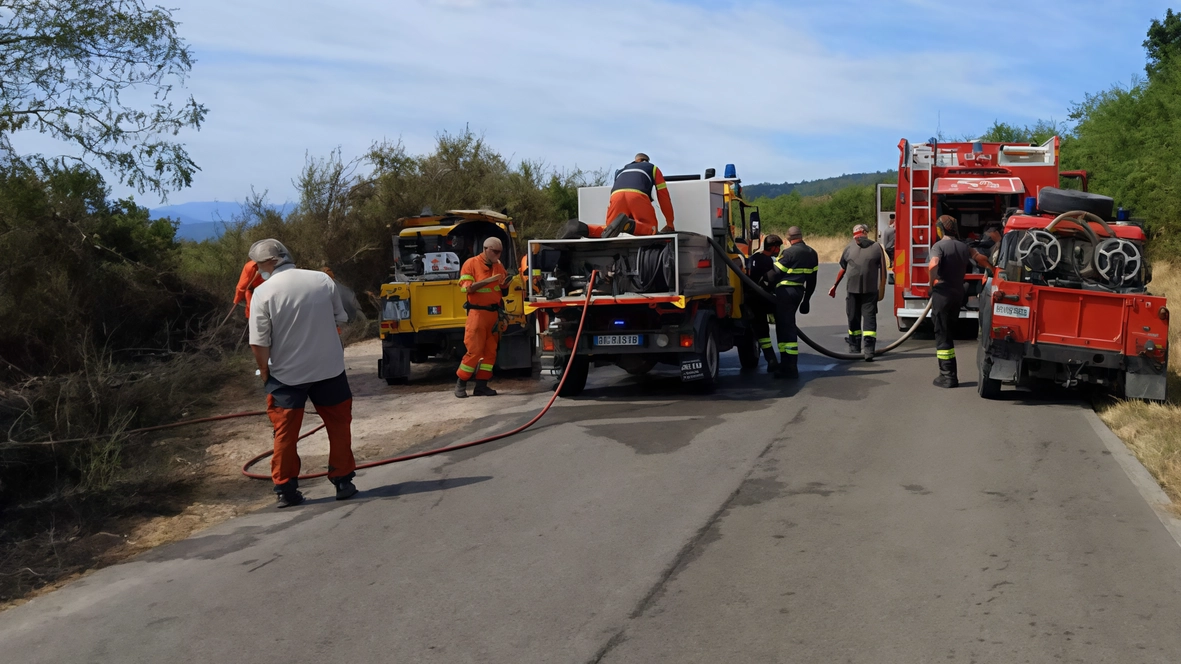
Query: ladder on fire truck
{"points": [[922, 159]]}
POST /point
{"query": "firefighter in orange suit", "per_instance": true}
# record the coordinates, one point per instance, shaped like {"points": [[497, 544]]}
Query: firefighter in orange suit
{"points": [[630, 209], [294, 338], [247, 282], [483, 278]]}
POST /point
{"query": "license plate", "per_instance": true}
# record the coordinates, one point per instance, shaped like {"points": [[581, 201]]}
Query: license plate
{"points": [[618, 340], [1010, 310]]}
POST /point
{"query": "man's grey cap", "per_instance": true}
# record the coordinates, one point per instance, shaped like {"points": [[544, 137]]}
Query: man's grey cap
{"points": [[269, 249], [861, 228]]}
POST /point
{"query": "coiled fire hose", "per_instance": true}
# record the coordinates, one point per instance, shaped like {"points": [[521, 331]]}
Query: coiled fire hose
{"points": [[459, 446], [754, 287]]}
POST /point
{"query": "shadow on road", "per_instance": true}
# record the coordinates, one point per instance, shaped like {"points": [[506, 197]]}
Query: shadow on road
{"points": [[420, 486]]}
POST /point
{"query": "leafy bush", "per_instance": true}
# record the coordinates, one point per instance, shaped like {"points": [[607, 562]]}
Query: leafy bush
{"points": [[83, 271]]}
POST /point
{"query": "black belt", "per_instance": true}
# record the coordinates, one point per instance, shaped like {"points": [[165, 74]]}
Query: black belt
{"points": [[482, 307]]}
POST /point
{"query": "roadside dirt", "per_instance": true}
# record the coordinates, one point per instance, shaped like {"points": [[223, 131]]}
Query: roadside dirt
{"points": [[204, 485]]}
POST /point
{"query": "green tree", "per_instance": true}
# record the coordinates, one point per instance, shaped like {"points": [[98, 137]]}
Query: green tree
{"points": [[1038, 133], [1163, 43], [99, 75]]}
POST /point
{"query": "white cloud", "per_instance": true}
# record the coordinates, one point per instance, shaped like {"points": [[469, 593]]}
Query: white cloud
{"points": [[589, 83]]}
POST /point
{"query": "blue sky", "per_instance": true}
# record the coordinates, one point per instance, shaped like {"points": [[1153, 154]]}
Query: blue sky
{"points": [[785, 90]]}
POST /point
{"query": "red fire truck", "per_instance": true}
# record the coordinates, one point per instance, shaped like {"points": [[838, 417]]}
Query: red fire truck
{"points": [[975, 182], [1068, 299]]}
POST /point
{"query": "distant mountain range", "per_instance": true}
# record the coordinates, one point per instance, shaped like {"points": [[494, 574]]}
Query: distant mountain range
{"points": [[817, 187], [206, 219]]}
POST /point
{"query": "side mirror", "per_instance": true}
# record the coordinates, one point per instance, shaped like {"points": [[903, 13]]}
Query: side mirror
{"points": [[755, 225], [709, 173]]}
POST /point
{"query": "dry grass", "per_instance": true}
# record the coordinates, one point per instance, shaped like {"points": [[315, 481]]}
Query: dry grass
{"points": [[827, 248], [1153, 431]]}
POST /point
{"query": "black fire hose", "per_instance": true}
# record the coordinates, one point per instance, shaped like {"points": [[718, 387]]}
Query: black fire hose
{"points": [[721, 252]]}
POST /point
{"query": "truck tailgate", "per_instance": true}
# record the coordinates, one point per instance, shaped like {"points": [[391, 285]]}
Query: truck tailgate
{"points": [[1080, 318]]}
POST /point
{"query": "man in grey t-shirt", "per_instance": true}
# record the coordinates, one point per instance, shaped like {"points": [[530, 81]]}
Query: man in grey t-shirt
{"points": [[862, 261], [293, 333]]}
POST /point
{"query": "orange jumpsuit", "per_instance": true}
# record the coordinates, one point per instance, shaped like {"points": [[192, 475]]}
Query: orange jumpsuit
{"points": [[480, 333], [247, 282], [636, 204]]}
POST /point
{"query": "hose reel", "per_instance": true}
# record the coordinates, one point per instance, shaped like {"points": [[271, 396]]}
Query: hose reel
{"points": [[1118, 259], [1051, 249]]}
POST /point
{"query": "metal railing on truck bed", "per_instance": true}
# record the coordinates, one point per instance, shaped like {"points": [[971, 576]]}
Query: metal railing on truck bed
{"points": [[670, 268]]}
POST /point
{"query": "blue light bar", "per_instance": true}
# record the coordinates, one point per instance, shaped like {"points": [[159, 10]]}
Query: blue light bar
{"points": [[730, 171]]}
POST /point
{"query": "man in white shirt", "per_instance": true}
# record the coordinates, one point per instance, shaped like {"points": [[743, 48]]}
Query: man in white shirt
{"points": [[293, 334]]}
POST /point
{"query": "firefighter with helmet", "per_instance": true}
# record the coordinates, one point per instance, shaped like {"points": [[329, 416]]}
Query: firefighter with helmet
{"points": [[794, 276], [949, 264], [630, 209], [483, 278], [762, 264]]}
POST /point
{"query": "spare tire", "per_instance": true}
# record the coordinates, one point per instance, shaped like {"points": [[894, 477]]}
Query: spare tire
{"points": [[1057, 201]]}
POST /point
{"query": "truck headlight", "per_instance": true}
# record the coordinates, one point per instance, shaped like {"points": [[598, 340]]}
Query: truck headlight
{"points": [[395, 310]]}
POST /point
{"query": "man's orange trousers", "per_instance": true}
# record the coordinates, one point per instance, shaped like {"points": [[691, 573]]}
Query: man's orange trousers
{"points": [[480, 337], [334, 404], [633, 204]]}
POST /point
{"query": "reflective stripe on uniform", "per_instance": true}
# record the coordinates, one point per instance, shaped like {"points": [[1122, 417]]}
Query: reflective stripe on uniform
{"points": [[870, 333], [854, 333], [483, 290], [631, 190], [945, 354], [765, 342], [789, 347], [485, 367], [800, 270], [466, 368], [662, 185], [788, 283], [633, 169]]}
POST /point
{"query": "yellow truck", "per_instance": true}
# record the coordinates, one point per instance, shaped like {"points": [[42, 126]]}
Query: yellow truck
{"points": [[422, 314]]}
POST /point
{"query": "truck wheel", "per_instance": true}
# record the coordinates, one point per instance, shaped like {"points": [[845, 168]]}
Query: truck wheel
{"points": [[394, 366], [748, 351], [1057, 201], [988, 388], [576, 378], [711, 361]]}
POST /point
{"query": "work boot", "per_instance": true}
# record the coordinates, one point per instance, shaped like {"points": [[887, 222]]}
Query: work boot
{"points": [[620, 224], [345, 488], [948, 374], [946, 381], [789, 368], [575, 229], [867, 348], [288, 494], [482, 389], [772, 361], [461, 388], [854, 344]]}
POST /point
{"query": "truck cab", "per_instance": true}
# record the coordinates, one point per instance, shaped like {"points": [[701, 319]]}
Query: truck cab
{"points": [[422, 314]]}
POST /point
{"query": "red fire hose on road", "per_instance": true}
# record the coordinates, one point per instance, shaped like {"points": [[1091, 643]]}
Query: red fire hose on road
{"points": [[450, 448]]}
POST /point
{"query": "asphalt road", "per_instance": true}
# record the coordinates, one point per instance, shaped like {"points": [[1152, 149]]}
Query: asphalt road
{"points": [[859, 515]]}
